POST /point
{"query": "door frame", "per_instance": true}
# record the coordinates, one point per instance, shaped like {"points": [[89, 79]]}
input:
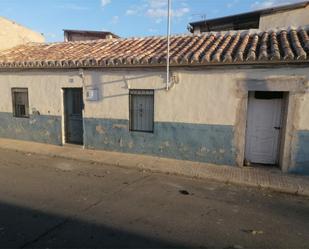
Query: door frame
{"points": [[293, 87], [63, 120], [282, 126]]}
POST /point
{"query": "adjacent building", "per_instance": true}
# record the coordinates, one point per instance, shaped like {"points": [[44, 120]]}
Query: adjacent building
{"points": [[294, 15], [86, 35], [231, 98], [13, 34]]}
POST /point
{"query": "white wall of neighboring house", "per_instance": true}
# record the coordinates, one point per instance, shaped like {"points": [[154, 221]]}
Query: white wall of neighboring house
{"points": [[296, 17], [13, 34]]}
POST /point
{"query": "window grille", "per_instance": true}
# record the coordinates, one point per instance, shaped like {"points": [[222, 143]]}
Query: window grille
{"points": [[20, 102], [142, 110]]}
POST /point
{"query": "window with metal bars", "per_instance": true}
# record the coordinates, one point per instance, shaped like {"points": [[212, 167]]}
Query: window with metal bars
{"points": [[20, 102], [141, 110]]}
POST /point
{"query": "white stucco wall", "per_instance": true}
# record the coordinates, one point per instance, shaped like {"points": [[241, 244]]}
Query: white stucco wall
{"points": [[197, 98], [304, 113], [297, 17], [200, 96], [44, 89], [13, 34]]}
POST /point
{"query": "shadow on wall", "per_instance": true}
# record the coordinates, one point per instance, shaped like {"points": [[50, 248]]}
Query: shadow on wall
{"points": [[96, 80], [23, 228]]}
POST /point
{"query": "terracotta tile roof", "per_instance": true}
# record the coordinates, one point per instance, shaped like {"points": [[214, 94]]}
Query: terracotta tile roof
{"points": [[207, 49]]}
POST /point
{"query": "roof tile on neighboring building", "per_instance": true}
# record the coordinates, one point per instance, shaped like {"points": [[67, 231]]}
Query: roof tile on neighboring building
{"points": [[246, 47]]}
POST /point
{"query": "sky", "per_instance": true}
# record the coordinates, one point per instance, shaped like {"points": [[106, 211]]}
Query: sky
{"points": [[126, 18]]}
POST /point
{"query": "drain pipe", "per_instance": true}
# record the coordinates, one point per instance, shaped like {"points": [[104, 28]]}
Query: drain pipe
{"points": [[169, 10], [82, 75]]}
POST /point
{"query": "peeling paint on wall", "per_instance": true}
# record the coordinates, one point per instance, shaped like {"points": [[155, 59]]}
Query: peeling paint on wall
{"points": [[38, 128], [100, 129], [300, 154], [195, 142]]}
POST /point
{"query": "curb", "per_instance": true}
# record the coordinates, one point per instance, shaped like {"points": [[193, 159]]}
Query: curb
{"points": [[188, 169], [299, 191]]}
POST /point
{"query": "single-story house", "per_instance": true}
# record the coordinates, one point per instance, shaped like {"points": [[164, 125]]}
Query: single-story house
{"points": [[231, 98]]}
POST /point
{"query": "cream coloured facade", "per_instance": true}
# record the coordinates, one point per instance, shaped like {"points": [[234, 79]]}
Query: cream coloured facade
{"points": [[13, 34], [201, 118], [293, 17]]}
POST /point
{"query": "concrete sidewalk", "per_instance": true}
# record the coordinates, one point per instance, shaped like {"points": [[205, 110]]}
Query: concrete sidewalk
{"points": [[271, 179]]}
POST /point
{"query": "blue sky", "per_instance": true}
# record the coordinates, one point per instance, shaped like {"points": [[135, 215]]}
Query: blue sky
{"points": [[126, 18]]}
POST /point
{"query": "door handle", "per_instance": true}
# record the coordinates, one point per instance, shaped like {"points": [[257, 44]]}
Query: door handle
{"points": [[277, 127]]}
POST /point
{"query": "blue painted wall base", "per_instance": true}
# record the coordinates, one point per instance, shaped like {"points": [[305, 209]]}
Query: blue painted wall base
{"points": [[301, 154], [195, 142], [37, 128]]}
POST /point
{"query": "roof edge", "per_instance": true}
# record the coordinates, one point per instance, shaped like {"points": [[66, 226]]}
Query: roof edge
{"points": [[93, 64]]}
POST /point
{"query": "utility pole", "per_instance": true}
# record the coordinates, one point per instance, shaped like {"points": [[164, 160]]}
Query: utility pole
{"points": [[169, 12]]}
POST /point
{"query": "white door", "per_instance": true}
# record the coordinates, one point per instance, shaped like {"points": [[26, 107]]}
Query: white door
{"points": [[263, 130]]}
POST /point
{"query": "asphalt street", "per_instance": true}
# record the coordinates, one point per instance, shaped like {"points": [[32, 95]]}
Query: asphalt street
{"points": [[50, 202]]}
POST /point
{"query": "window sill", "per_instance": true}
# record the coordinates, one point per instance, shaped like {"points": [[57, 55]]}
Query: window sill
{"points": [[26, 117], [146, 132]]}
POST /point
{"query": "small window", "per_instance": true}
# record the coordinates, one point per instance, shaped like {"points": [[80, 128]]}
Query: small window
{"points": [[141, 110], [20, 102], [268, 95]]}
